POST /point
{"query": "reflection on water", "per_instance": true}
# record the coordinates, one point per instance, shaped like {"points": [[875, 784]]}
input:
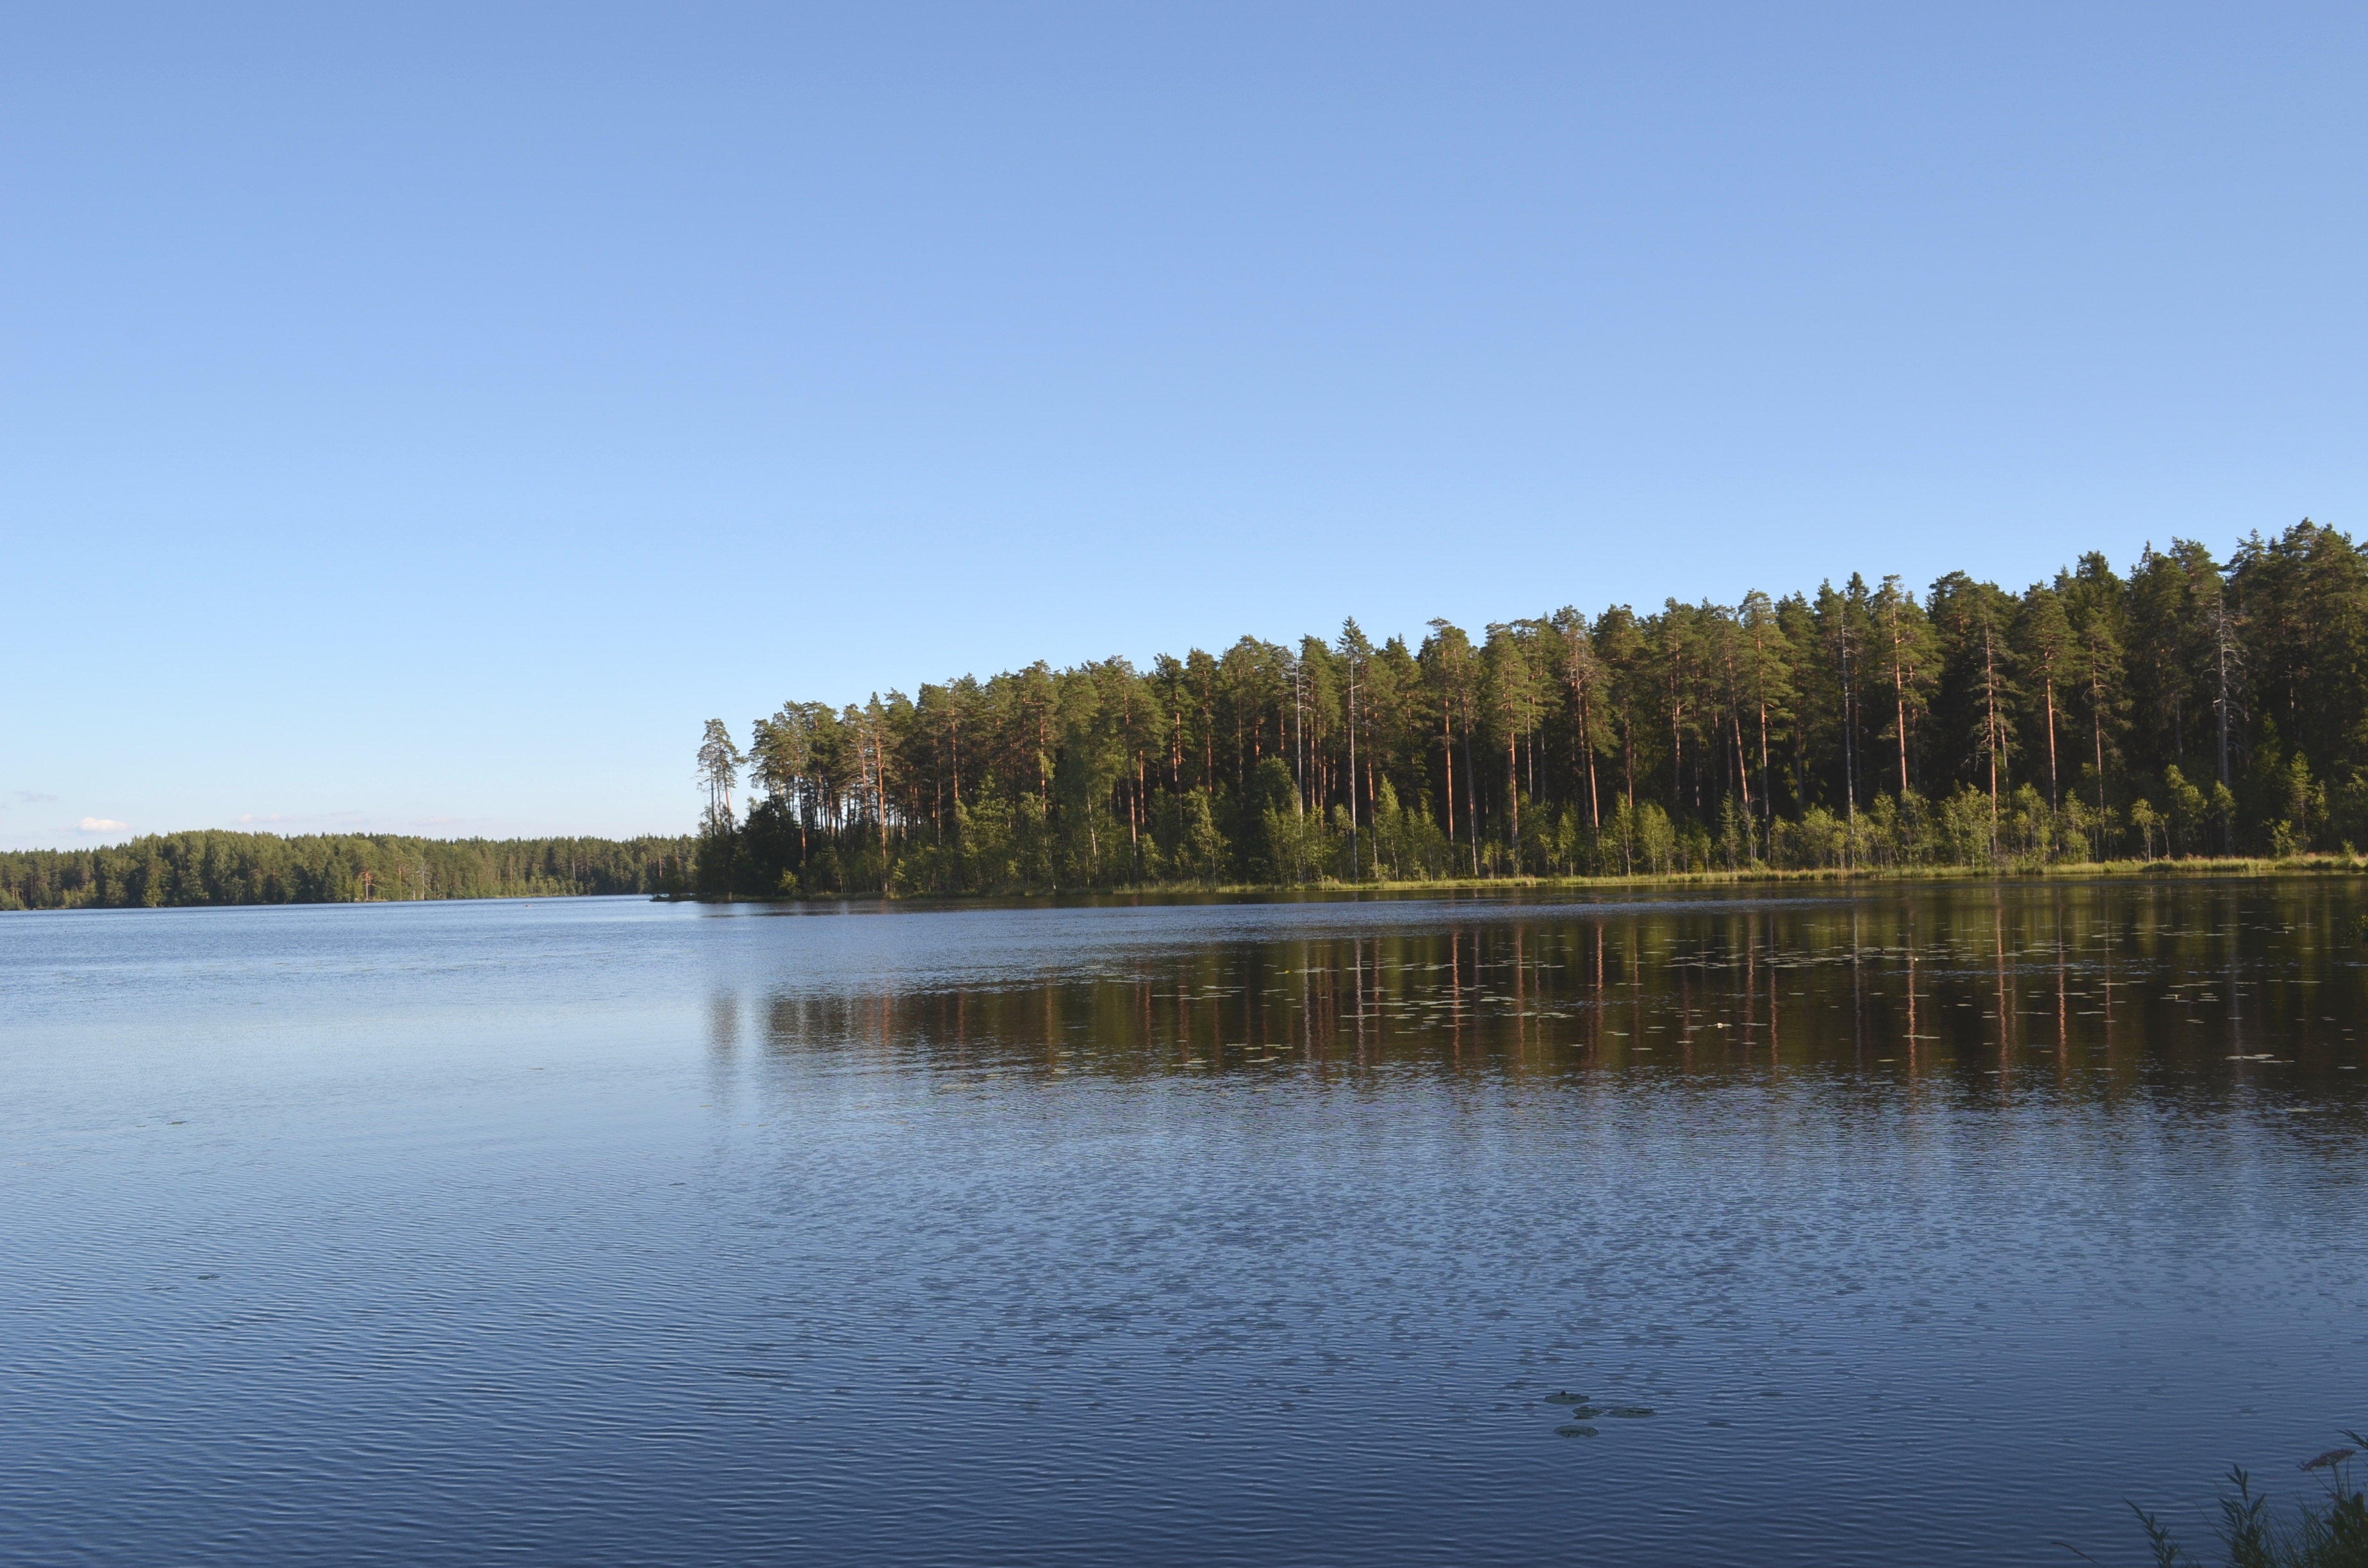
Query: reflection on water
{"points": [[2101, 982], [1894, 1224]]}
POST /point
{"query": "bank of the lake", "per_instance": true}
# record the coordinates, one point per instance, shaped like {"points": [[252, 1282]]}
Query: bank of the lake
{"points": [[2190, 868]]}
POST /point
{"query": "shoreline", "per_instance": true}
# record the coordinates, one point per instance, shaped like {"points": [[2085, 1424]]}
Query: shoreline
{"points": [[2191, 869]]}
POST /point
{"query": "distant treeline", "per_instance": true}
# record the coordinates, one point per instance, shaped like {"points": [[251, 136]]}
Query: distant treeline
{"points": [[261, 868], [2191, 707]]}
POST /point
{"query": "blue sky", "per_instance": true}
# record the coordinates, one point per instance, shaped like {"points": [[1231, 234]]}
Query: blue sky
{"points": [[422, 418]]}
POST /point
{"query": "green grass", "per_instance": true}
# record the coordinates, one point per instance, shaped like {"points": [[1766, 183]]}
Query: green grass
{"points": [[2329, 1531], [2058, 870]]}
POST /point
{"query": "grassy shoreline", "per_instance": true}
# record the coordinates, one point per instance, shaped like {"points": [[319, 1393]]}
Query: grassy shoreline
{"points": [[2187, 869]]}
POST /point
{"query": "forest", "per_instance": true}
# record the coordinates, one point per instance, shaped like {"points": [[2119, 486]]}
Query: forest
{"points": [[2191, 707], [182, 869]]}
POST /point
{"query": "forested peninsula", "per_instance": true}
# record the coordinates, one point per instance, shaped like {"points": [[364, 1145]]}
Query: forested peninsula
{"points": [[182, 869], [2192, 708]]}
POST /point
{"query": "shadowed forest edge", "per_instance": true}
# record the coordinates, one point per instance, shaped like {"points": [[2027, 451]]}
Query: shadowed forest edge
{"points": [[2192, 708]]}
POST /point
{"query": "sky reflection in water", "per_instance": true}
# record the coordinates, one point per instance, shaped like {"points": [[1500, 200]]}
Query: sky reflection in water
{"points": [[1927, 1225]]}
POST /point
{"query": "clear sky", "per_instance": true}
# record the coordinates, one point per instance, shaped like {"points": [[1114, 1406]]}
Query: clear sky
{"points": [[422, 419]]}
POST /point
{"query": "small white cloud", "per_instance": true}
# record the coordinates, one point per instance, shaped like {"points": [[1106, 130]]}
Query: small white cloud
{"points": [[266, 816], [102, 824]]}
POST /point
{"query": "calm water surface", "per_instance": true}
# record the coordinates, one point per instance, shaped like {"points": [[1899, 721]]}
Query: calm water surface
{"points": [[1927, 1226]]}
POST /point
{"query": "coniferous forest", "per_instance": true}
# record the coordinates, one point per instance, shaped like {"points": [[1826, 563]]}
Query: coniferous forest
{"points": [[182, 869], [2191, 707]]}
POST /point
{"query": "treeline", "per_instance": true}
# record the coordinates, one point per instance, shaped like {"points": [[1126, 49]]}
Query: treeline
{"points": [[2191, 707], [259, 868]]}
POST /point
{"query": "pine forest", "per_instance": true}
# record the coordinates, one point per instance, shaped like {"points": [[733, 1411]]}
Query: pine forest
{"points": [[214, 868], [2192, 708]]}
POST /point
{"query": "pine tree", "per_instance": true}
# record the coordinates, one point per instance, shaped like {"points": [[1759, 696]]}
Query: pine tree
{"points": [[719, 770]]}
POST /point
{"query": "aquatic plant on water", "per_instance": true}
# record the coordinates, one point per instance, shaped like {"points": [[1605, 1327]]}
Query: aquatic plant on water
{"points": [[2327, 1532]]}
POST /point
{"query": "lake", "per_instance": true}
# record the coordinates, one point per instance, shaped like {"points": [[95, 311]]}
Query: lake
{"points": [[1857, 1227]]}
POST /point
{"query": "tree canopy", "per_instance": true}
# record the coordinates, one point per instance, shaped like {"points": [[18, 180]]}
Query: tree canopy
{"points": [[2190, 706], [183, 869]]}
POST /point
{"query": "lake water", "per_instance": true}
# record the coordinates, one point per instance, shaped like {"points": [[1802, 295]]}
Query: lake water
{"points": [[1928, 1225]]}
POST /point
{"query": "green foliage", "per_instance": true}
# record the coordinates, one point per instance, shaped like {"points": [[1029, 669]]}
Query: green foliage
{"points": [[185, 868], [2189, 709]]}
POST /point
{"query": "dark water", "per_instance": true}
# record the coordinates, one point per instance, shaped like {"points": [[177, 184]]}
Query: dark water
{"points": [[1926, 1226]]}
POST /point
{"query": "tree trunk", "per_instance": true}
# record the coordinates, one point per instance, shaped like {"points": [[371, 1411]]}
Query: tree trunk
{"points": [[2097, 715], [2051, 740], [1513, 797], [1990, 730], [1586, 745], [1355, 870], [1471, 789], [1447, 750]]}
